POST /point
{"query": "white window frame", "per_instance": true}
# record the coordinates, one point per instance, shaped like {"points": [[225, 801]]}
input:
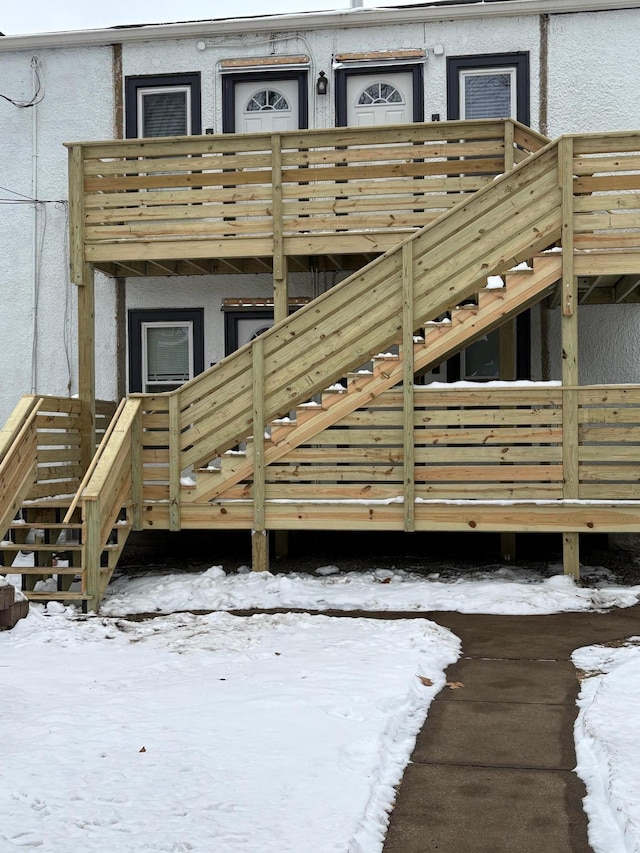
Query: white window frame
{"points": [[161, 90], [491, 71], [151, 386]]}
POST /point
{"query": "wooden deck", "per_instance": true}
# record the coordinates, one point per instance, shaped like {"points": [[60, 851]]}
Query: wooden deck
{"points": [[165, 206], [321, 423]]}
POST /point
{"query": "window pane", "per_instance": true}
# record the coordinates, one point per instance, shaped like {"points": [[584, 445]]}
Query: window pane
{"points": [[481, 359], [167, 353], [487, 95], [164, 114]]}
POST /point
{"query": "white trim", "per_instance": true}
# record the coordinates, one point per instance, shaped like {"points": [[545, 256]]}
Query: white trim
{"points": [[308, 21], [161, 90], [149, 386], [489, 71]]}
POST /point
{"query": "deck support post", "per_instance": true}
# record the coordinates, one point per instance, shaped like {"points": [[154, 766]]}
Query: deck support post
{"points": [[509, 129], [260, 545], [87, 365], [137, 476], [507, 349], [407, 352], [174, 462], [571, 554], [280, 283], [91, 553], [570, 373], [260, 550]]}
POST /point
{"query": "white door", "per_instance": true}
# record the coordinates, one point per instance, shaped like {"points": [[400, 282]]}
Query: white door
{"points": [[379, 98], [264, 106], [249, 328]]}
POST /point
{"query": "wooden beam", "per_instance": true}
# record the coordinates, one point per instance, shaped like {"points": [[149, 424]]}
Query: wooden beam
{"points": [[407, 353], [280, 285], [137, 471], [570, 436], [507, 345], [92, 552], [87, 365], [262, 61], [260, 550], [174, 462], [571, 554], [597, 282], [201, 269], [509, 130], [76, 214], [625, 288], [258, 435]]}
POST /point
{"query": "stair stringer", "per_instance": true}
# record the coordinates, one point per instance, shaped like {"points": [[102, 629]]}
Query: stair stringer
{"points": [[504, 223], [521, 291]]}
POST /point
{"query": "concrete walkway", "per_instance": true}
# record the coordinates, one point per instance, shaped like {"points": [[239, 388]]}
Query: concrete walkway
{"points": [[492, 770]]}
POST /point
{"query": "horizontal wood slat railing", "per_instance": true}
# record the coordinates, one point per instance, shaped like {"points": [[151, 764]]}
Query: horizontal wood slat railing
{"points": [[483, 443], [59, 471], [18, 458], [606, 190], [498, 445], [296, 192], [53, 423], [518, 215], [113, 485]]}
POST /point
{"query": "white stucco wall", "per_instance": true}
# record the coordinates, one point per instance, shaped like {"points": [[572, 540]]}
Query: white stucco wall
{"points": [[608, 351], [594, 72], [77, 104]]}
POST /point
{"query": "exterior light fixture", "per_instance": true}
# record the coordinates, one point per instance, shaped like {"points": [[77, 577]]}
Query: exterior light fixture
{"points": [[322, 84]]}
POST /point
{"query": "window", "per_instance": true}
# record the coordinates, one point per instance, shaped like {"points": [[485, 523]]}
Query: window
{"points": [[166, 348], [380, 93], [163, 106], [267, 99], [487, 93], [494, 86]]}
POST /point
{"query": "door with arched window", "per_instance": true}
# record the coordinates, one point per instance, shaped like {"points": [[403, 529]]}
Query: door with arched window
{"points": [[368, 96], [264, 102]]}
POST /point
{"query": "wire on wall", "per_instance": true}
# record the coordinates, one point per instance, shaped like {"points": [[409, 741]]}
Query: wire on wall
{"points": [[38, 94]]}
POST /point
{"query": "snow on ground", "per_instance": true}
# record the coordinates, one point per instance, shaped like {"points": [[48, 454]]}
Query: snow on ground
{"points": [[281, 733], [277, 733], [500, 591], [607, 734]]}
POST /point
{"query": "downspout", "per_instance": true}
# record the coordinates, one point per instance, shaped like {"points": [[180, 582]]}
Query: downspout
{"points": [[35, 260]]}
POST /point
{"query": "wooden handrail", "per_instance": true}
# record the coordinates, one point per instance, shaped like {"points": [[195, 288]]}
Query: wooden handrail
{"points": [[94, 462]]}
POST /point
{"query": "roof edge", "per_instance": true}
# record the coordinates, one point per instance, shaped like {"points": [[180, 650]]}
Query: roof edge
{"points": [[308, 20]]}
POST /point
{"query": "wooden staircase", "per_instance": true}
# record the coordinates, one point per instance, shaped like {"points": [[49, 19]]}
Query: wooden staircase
{"points": [[436, 269], [440, 339], [50, 539]]}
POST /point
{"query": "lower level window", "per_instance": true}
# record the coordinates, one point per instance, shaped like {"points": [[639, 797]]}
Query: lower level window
{"points": [[166, 348], [167, 355]]}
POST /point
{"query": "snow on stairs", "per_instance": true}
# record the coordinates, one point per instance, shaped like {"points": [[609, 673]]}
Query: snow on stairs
{"points": [[522, 288], [54, 566]]}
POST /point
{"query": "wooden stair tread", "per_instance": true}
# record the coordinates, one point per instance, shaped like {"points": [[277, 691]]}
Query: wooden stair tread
{"points": [[40, 570], [56, 596], [41, 546], [45, 525]]}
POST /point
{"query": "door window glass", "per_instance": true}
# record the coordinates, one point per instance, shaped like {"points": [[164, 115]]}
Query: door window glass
{"points": [[380, 93], [267, 99]]}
